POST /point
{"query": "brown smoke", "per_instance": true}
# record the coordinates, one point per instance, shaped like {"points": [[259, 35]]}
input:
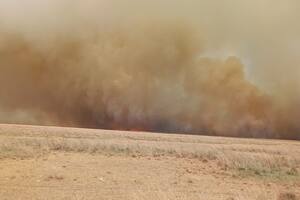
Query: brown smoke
{"points": [[149, 66]]}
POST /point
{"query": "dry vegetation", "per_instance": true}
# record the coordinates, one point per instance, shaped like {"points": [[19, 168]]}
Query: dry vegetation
{"points": [[259, 157], [261, 160]]}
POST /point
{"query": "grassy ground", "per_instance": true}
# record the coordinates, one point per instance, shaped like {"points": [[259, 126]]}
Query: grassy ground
{"points": [[270, 165]]}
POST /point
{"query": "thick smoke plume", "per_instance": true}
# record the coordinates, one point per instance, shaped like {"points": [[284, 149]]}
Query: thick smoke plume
{"points": [[196, 67]]}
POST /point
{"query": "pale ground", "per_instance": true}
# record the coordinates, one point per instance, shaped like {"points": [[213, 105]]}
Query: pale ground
{"points": [[65, 163]]}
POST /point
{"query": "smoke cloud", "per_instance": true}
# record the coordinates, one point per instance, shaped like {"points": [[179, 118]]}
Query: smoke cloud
{"points": [[208, 67]]}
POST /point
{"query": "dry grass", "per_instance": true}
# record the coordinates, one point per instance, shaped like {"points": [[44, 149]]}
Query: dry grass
{"points": [[241, 160], [245, 159]]}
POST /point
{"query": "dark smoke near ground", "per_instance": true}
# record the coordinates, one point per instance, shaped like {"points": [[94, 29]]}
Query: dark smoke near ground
{"points": [[108, 64]]}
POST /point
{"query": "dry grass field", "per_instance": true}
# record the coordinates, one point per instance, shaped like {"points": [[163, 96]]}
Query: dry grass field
{"points": [[69, 163]]}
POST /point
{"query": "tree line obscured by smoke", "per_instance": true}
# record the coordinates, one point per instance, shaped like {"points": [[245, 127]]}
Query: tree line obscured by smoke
{"points": [[148, 66]]}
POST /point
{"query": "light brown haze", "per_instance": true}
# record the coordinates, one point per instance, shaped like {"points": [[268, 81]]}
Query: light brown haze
{"points": [[211, 67]]}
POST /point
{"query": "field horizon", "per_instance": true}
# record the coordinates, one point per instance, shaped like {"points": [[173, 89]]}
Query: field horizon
{"points": [[153, 132]]}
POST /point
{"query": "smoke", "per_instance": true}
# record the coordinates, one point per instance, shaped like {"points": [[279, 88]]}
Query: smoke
{"points": [[204, 67]]}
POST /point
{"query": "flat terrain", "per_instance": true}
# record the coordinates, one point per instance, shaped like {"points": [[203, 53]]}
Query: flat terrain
{"points": [[68, 163]]}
